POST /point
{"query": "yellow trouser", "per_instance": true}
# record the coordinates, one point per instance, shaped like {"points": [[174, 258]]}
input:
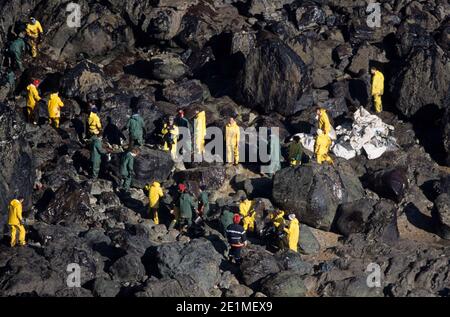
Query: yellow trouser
{"points": [[173, 150], [154, 211], [248, 223], [233, 153], [30, 112], [324, 158], [199, 144], [14, 229], [294, 163], [54, 122], [378, 103], [33, 43]]}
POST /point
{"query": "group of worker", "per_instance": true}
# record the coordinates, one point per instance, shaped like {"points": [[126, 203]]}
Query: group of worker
{"points": [[236, 226]]}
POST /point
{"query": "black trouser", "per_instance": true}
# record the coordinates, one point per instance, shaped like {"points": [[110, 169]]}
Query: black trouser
{"points": [[235, 252]]}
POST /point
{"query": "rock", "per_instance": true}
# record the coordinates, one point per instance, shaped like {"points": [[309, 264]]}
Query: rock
{"points": [[197, 260], [262, 7], [423, 81], [442, 205], [86, 78], [390, 183], [292, 261], [308, 243], [186, 93], [314, 192], [212, 177], [352, 217], [239, 291], [151, 166], [128, 269], [257, 263], [105, 287], [284, 284], [16, 158], [273, 59], [183, 286], [166, 67], [309, 16], [70, 205], [351, 287]]}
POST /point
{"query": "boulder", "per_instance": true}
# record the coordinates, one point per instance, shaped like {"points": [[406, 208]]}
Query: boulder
{"points": [[442, 205], [151, 165], [257, 264], [389, 183], [86, 78], [212, 177], [186, 93], [128, 268], [168, 67], [105, 287], [422, 81], [182, 286], [274, 78], [314, 192], [284, 284], [197, 260]]}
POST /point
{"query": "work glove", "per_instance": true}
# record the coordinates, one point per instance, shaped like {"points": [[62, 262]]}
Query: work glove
{"points": [[22, 222]]}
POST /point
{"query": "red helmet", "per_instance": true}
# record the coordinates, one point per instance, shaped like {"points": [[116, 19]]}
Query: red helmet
{"points": [[181, 187], [236, 218], [36, 82]]}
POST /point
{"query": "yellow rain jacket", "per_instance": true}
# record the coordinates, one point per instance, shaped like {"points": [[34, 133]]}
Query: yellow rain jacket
{"points": [[324, 122], [277, 219], [200, 131], [247, 211], [293, 234], [378, 84], [322, 147], [33, 30], [32, 97], [95, 125], [233, 137], [15, 213], [154, 194], [54, 106]]}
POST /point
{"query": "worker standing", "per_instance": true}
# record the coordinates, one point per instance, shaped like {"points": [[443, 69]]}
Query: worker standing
{"points": [[323, 120], [295, 152], [135, 127], [127, 168], [97, 151], [15, 221], [16, 50], [377, 88], [322, 147], [34, 31], [247, 211], [184, 130], [155, 193], [236, 238], [226, 219], [233, 136], [54, 109], [293, 233], [203, 202], [186, 207], [199, 131], [94, 123], [32, 99], [170, 134]]}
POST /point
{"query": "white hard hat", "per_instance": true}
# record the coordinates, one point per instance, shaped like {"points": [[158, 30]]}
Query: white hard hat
{"points": [[319, 131], [291, 217]]}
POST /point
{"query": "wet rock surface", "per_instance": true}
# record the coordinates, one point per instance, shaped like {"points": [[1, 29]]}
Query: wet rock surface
{"points": [[269, 63]]}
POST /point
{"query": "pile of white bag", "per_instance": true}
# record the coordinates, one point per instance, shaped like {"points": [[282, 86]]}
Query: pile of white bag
{"points": [[368, 134]]}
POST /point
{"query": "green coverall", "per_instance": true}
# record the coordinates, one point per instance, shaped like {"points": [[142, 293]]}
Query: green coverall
{"points": [[96, 155], [226, 219], [16, 49], [127, 171], [186, 206], [204, 200], [295, 153], [135, 126]]}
